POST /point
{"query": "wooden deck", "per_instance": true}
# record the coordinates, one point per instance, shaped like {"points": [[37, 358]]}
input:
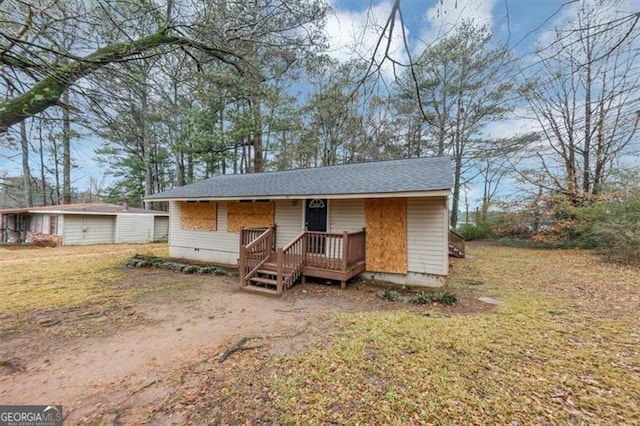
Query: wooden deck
{"points": [[456, 244], [334, 256]]}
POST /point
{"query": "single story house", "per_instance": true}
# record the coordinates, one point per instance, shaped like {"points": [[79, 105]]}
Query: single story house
{"points": [[388, 220], [86, 223]]}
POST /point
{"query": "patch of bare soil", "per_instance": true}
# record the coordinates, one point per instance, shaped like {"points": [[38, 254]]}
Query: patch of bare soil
{"points": [[144, 360]]}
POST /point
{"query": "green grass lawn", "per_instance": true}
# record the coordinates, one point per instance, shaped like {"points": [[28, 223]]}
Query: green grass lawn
{"points": [[562, 348]]}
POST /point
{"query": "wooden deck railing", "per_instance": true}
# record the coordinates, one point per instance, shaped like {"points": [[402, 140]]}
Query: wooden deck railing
{"points": [[255, 253], [456, 244], [290, 260], [355, 248], [321, 254]]}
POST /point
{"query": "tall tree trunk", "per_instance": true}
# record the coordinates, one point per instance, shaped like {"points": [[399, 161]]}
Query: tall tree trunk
{"points": [[586, 166], [56, 171], [257, 136], [146, 142], [66, 149], [455, 200], [179, 168], [26, 170], [42, 170]]}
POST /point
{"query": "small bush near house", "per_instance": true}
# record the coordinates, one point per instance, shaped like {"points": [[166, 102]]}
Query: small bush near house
{"points": [[421, 298], [392, 295], [142, 261], [477, 231], [445, 298], [45, 240]]}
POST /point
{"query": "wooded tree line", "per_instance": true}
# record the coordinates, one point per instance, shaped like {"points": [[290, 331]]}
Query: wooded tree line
{"points": [[188, 89]]}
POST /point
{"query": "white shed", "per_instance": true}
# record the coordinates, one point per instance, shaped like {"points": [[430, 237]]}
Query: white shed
{"points": [[84, 224]]}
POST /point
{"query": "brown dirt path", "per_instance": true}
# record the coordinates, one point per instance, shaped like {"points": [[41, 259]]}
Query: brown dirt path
{"points": [[102, 373]]}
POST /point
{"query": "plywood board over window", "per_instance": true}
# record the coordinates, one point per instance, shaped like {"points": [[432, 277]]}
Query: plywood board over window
{"points": [[199, 216], [250, 215], [386, 225]]}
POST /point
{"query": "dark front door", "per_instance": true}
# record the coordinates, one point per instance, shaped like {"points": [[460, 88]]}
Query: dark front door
{"points": [[315, 219]]}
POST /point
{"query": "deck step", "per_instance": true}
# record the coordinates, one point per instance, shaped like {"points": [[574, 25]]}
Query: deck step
{"points": [[257, 289], [455, 252], [270, 266], [264, 280], [267, 272]]}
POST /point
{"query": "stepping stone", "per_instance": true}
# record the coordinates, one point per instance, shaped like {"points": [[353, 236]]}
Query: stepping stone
{"points": [[490, 300]]}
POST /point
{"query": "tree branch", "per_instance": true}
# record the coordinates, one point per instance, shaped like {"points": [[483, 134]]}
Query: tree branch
{"points": [[47, 91]]}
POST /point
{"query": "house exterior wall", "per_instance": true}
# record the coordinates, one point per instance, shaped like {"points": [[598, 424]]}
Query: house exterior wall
{"points": [[427, 232], [288, 220], [346, 215], [87, 229], [218, 246], [134, 228], [427, 240], [221, 246], [160, 228]]}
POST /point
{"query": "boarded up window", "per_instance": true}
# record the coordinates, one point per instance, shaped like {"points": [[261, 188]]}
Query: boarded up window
{"points": [[199, 216], [386, 224], [250, 215]]}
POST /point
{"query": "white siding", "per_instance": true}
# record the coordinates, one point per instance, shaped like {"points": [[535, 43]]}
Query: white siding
{"points": [[218, 246], [134, 228], [427, 235], [160, 228], [288, 220], [346, 215], [88, 229]]}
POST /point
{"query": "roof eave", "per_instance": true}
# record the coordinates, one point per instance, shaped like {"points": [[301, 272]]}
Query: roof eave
{"points": [[444, 192]]}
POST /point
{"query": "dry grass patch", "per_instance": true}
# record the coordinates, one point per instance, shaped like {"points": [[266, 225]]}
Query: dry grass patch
{"points": [[33, 280], [546, 355]]}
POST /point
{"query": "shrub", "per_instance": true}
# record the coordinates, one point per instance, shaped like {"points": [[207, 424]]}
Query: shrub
{"points": [[445, 298], [191, 269], [392, 295], [422, 298], [45, 240], [478, 231], [173, 266], [212, 270]]}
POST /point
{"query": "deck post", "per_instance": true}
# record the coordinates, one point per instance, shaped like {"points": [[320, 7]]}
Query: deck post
{"points": [[273, 237], [280, 269], [243, 259], [305, 247], [345, 250]]}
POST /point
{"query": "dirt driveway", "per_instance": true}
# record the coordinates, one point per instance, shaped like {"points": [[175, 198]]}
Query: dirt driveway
{"points": [[118, 364]]}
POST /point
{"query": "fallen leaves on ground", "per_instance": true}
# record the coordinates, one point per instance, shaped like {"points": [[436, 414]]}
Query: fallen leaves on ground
{"points": [[38, 286], [561, 348]]}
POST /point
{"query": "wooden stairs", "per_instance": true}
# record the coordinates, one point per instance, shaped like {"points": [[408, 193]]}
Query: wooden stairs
{"points": [[456, 244], [265, 269], [265, 280]]}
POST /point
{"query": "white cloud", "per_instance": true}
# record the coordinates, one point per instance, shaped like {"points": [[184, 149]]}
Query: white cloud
{"points": [[355, 34], [519, 122], [567, 16], [445, 16]]}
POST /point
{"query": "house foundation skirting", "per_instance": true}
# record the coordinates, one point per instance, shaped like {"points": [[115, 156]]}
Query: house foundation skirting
{"points": [[411, 279]]}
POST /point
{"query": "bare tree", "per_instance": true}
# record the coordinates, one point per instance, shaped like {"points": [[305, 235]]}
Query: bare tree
{"points": [[585, 98]]}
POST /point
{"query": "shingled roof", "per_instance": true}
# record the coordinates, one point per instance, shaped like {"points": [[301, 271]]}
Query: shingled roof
{"points": [[380, 177]]}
